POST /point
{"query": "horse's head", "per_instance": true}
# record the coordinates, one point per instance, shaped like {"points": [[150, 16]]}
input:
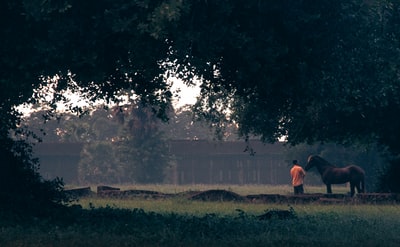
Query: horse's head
{"points": [[310, 162], [315, 160]]}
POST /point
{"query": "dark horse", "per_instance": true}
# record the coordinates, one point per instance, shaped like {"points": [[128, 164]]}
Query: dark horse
{"points": [[331, 174]]}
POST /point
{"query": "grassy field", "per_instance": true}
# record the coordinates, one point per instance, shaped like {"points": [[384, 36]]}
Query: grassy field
{"points": [[182, 205], [240, 189], [182, 222]]}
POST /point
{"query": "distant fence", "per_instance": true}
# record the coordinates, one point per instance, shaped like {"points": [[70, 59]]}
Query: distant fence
{"points": [[226, 163], [197, 162], [59, 160], [232, 169]]}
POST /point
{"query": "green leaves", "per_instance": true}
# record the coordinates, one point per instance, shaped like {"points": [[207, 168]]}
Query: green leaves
{"points": [[312, 72]]}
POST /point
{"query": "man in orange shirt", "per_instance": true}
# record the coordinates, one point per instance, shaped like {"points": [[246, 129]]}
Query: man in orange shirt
{"points": [[298, 174]]}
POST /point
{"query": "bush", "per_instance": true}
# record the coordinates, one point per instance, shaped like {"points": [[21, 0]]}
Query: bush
{"points": [[389, 179], [23, 188]]}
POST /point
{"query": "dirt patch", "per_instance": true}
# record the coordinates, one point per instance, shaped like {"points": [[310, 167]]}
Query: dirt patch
{"points": [[217, 195], [277, 198], [133, 193]]}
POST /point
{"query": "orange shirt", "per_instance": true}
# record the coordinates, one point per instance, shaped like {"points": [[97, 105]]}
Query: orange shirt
{"points": [[298, 175]]}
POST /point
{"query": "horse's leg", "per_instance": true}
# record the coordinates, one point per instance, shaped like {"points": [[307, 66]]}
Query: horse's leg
{"points": [[328, 189], [362, 185], [352, 189], [358, 187]]}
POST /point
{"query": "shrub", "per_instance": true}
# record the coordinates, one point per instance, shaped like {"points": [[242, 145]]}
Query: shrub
{"points": [[23, 190]]}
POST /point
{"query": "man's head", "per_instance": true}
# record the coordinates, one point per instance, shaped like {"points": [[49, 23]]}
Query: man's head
{"points": [[294, 162]]}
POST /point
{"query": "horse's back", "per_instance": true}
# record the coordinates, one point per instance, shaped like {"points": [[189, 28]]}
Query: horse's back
{"points": [[357, 174], [356, 169]]}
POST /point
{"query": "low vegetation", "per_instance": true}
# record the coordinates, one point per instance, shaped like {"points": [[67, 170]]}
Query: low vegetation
{"points": [[177, 221]]}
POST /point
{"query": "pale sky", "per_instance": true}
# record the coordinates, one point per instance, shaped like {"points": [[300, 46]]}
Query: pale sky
{"points": [[187, 94]]}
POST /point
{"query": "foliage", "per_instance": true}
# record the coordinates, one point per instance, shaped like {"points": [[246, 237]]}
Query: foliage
{"points": [[315, 225], [285, 69], [309, 71], [183, 125], [53, 45], [124, 147], [121, 145], [96, 125], [388, 181], [303, 70], [23, 187], [141, 148], [98, 164]]}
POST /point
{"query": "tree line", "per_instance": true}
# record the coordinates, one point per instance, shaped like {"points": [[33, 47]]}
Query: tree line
{"points": [[122, 144], [131, 146]]}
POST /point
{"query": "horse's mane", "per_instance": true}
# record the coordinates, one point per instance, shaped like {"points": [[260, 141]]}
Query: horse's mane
{"points": [[323, 161]]}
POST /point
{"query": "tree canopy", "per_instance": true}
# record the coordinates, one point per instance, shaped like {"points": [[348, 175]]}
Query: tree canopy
{"points": [[305, 70], [310, 71]]}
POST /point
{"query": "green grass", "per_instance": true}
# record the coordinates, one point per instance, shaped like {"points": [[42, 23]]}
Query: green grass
{"points": [[182, 222], [177, 205]]}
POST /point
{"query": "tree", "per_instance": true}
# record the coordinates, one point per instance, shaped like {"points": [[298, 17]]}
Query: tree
{"points": [[98, 164], [309, 71], [134, 151], [183, 125], [141, 148], [124, 144], [306, 71]]}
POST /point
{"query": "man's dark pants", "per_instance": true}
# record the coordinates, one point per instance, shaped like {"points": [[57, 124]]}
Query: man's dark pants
{"points": [[298, 189]]}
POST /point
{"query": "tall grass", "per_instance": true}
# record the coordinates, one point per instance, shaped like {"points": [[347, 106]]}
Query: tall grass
{"points": [[229, 208], [183, 222]]}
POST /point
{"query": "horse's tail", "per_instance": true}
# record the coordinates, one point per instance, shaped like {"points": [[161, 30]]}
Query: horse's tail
{"points": [[360, 177]]}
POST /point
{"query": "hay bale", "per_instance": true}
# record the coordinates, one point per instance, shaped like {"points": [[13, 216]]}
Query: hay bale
{"points": [[110, 193], [79, 192], [102, 188], [143, 193]]}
